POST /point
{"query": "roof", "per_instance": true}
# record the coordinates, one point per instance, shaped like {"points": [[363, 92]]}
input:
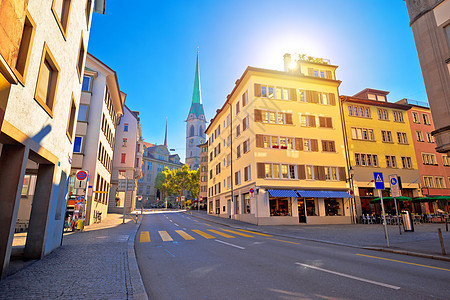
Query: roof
{"points": [[197, 106], [148, 145], [369, 90], [374, 102]]}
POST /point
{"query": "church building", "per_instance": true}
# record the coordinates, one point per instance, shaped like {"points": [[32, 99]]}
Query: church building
{"points": [[195, 124]]}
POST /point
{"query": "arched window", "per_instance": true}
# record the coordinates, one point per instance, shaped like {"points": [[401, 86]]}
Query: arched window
{"points": [[191, 130], [200, 131]]}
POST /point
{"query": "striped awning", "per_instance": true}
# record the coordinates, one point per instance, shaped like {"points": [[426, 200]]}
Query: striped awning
{"points": [[282, 193], [324, 194]]}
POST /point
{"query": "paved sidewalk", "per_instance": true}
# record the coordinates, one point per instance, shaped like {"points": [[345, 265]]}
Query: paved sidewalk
{"points": [[94, 264], [424, 241]]}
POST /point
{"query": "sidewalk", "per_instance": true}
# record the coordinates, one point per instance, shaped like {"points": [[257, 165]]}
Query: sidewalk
{"points": [[98, 263], [424, 241]]}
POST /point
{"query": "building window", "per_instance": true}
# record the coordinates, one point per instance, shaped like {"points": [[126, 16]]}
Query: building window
{"points": [[446, 160], [398, 116], [428, 181], [237, 108], [331, 173], [245, 123], [429, 159], [26, 44], [83, 113], [386, 136], [391, 161], [238, 130], [334, 207], [383, 114], [362, 134], [419, 136], [440, 182], [416, 118], [47, 82], [122, 160], [430, 138], [88, 12], [328, 146], [78, 144], [238, 151], [87, 84], [310, 172], [426, 119], [325, 122], [237, 177], [280, 206], [247, 173], [366, 160], [307, 121], [71, 123], [406, 162], [61, 11], [80, 62], [359, 111], [402, 138], [244, 99], [125, 127], [137, 162], [246, 206]]}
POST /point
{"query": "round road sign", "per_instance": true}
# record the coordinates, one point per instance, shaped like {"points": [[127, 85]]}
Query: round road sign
{"points": [[252, 190], [81, 175], [393, 181]]}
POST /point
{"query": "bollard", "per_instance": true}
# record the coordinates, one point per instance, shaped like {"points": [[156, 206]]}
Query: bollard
{"points": [[446, 224], [442, 242]]}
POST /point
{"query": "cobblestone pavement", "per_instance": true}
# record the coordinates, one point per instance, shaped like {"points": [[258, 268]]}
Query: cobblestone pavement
{"points": [[424, 239], [89, 265]]}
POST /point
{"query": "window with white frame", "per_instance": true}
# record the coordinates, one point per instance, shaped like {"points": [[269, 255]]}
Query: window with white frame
{"points": [[415, 117], [362, 134], [391, 161], [426, 119], [440, 182], [359, 111], [383, 114], [428, 181], [228, 159], [366, 160], [247, 173], [419, 136], [430, 138], [402, 138], [310, 172], [307, 121], [237, 177], [446, 160], [238, 151], [406, 162], [429, 159], [331, 173], [398, 116], [386, 136]]}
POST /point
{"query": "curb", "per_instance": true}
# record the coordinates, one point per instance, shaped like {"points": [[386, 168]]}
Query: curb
{"points": [[402, 252], [135, 275]]}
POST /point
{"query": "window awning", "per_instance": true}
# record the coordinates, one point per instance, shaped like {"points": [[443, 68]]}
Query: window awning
{"points": [[282, 193], [324, 194]]}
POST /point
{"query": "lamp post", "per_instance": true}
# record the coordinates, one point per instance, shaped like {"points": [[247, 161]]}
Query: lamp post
{"points": [[351, 173]]}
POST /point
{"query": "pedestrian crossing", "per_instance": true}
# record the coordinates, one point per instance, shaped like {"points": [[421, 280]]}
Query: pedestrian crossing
{"points": [[194, 234]]}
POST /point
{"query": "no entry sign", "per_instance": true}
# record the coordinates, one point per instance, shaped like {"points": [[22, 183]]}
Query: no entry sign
{"points": [[81, 175]]}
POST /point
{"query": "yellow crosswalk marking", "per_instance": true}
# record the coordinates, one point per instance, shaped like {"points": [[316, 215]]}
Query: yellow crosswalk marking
{"points": [[203, 234], [221, 233], [257, 233], [206, 224], [165, 236], [144, 237], [284, 241], [238, 233], [194, 220], [184, 235]]}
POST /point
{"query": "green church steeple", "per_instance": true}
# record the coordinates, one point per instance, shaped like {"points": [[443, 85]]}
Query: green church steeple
{"points": [[197, 106]]}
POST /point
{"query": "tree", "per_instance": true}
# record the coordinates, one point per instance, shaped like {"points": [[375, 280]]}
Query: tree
{"points": [[159, 183], [194, 183]]}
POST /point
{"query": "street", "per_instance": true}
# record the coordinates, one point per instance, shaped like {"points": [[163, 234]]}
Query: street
{"points": [[183, 257]]}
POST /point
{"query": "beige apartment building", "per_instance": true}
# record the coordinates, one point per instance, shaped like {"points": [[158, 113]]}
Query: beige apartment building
{"points": [[430, 23], [42, 57], [203, 194], [100, 109], [276, 148]]}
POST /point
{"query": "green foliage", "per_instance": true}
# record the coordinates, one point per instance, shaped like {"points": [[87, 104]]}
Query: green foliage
{"points": [[176, 182]]}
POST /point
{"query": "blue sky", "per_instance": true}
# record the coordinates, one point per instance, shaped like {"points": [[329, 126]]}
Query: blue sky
{"points": [[152, 47]]}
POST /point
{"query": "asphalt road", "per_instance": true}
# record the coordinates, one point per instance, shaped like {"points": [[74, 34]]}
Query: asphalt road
{"points": [[182, 257]]}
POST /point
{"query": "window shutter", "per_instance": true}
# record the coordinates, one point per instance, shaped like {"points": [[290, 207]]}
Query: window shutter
{"points": [[244, 146], [259, 141], [289, 119], [257, 90], [246, 174], [332, 99], [315, 97], [342, 174], [309, 96], [314, 145], [324, 146], [260, 170], [301, 172], [316, 173], [322, 122], [322, 173], [329, 75], [258, 115], [332, 147], [236, 178], [293, 93], [329, 122], [243, 100], [299, 144], [310, 72], [244, 124], [312, 121]]}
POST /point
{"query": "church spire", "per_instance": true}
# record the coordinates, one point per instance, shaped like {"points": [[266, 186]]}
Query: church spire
{"points": [[165, 136], [197, 94]]}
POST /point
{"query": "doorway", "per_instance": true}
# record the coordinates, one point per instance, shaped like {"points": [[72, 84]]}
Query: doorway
{"points": [[301, 210]]}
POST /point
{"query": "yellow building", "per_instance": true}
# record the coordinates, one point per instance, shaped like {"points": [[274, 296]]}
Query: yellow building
{"points": [[379, 140], [276, 148]]}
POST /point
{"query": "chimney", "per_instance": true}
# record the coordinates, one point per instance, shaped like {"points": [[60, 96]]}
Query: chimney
{"points": [[287, 61]]}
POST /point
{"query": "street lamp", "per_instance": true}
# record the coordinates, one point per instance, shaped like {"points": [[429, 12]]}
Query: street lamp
{"points": [[351, 173]]}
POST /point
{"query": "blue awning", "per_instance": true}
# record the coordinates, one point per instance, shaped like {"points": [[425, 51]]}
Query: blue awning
{"points": [[324, 194], [282, 193]]}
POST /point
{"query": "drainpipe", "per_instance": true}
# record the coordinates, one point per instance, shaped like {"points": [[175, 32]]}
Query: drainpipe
{"points": [[231, 153]]}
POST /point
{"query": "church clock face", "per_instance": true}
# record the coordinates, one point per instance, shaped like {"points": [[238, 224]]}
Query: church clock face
{"points": [[201, 141], [191, 142]]}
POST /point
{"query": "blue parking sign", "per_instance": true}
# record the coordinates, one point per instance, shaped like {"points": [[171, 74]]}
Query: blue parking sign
{"points": [[379, 182]]}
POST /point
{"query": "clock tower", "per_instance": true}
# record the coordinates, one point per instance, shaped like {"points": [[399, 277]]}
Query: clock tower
{"points": [[195, 124]]}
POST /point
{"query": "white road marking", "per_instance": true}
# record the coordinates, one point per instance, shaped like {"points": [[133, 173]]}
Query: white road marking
{"points": [[232, 245], [351, 277], [170, 221], [176, 224], [184, 229]]}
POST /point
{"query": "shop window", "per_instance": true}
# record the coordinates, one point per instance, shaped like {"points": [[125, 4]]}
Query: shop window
{"points": [[47, 82], [334, 207], [246, 203], [280, 206], [26, 44], [80, 62], [311, 207], [61, 11], [71, 122]]}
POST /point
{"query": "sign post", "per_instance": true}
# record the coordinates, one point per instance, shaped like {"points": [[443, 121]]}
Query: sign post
{"points": [[125, 199], [395, 191], [379, 185]]}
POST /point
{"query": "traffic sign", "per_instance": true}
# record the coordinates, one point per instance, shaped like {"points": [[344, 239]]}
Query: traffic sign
{"points": [[182, 198], [379, 182], [81, 179], [395, 188]]}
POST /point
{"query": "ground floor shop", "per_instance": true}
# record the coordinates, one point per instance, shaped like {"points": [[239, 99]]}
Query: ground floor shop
{"points": [[271, 206]]}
